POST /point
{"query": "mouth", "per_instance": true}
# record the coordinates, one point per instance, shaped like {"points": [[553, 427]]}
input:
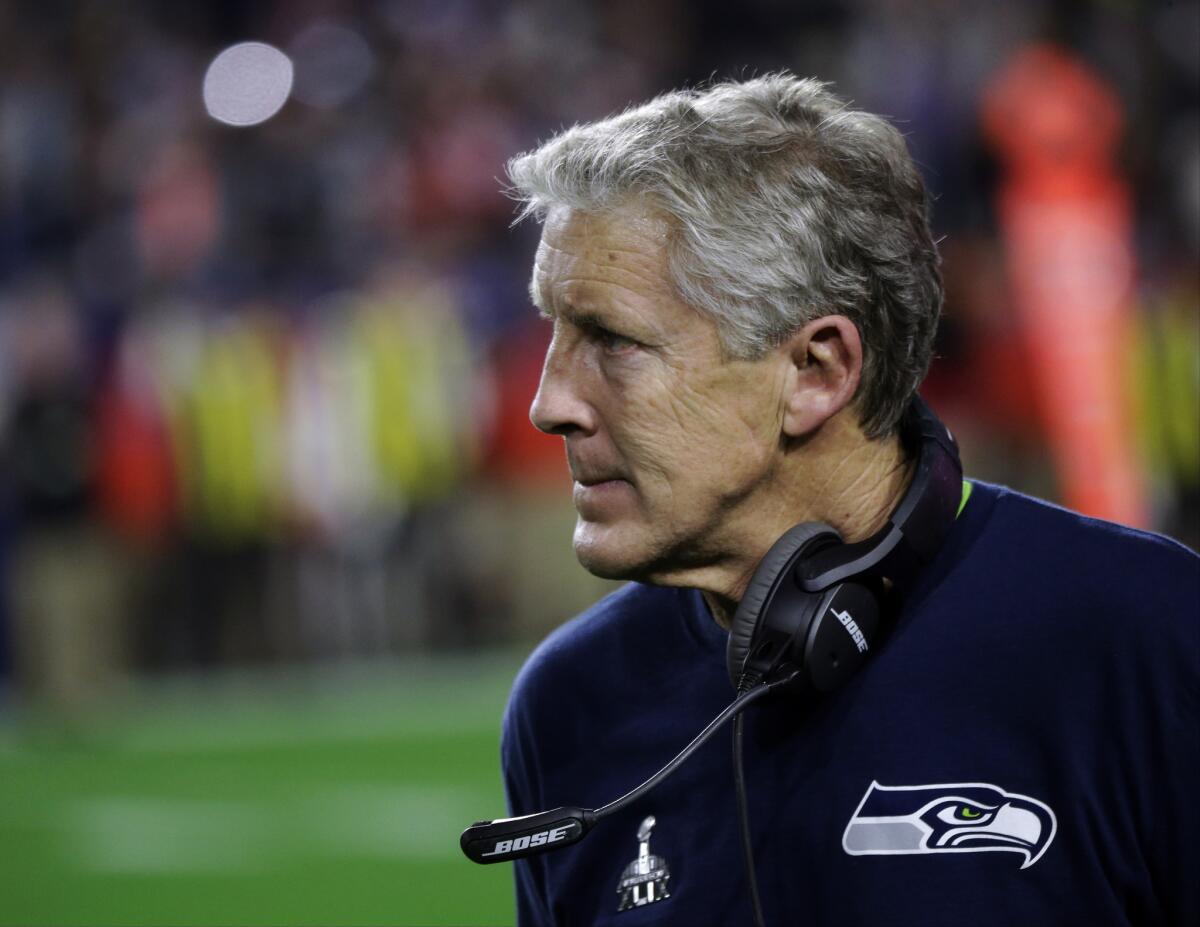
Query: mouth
{"points": [[601, 497], [597, 474], [589, 482]]}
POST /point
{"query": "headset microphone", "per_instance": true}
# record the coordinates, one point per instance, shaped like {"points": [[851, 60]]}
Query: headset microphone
{"points": [[512, 838]]}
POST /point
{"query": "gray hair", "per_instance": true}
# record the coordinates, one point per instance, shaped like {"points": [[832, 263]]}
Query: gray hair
{"points": [[786, 205]]}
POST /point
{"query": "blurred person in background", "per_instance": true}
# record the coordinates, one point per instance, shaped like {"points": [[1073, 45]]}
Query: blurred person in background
{"points": [[743, 291], [67, 583]]}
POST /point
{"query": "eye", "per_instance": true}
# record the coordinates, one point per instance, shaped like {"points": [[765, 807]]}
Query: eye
{"points": [[960, 813], [612, 342]]}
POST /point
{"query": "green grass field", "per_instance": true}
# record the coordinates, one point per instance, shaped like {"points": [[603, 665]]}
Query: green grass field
{"points": [[319, 798]]}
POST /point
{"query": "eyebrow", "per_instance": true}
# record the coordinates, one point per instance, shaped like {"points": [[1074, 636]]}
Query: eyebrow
{"points": [[583, 318]]}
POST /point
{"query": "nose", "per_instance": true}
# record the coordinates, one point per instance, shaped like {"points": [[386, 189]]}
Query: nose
{"points": [[559, 407]]}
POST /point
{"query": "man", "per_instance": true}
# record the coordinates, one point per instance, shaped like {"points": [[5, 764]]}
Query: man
{"points": [[744, 292]]}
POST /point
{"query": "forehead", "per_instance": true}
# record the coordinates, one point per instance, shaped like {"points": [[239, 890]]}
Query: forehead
{"points": [[629, 224], [620, 255]]}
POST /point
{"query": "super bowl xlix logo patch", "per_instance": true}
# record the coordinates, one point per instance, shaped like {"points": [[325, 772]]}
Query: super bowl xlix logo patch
{"points": [[955, 817], [644, 880]]}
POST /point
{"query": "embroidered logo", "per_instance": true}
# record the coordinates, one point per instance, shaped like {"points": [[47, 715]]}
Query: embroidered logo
{"points": [[644, 880], [957, 817]]}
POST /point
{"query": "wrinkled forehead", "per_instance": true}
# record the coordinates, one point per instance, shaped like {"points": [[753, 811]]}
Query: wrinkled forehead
{"points": [[588, 256]]}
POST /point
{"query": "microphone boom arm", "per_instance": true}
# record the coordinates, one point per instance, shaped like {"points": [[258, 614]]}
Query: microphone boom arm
{"points": [[506, 839]]}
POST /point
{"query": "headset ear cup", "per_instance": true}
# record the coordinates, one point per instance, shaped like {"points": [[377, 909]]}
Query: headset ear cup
{"points": [[781, 556]]}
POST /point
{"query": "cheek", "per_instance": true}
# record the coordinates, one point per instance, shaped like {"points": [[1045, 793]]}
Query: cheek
{"points": [[687, 416], [727, 411], [690, 435], [649, 439]]}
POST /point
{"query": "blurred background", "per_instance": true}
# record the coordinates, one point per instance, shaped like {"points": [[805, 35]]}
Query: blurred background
{"points": [[275, 532]]}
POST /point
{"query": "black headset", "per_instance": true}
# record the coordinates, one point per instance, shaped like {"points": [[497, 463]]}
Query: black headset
{"points": [[813, 608]]}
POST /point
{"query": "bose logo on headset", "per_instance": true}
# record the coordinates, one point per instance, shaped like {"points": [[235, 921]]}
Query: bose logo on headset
{"points": [[852, 629], [532, 840]]}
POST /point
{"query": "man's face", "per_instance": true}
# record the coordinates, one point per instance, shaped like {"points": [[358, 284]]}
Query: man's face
{"points": [[673, 449]]}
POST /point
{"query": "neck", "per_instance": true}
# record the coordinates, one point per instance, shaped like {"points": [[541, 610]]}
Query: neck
{"points": [[838, 477]]}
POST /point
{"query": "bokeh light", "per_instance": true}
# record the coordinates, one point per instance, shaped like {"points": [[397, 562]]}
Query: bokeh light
{"points": [[247, 83]]}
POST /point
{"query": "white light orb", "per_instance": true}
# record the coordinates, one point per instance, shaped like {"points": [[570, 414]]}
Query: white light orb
{"points": [[247, 83]]}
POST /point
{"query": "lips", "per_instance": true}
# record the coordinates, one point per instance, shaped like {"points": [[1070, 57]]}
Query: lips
{"points": [[597, 472], [601, 497], [597, 480], [593, 474]]}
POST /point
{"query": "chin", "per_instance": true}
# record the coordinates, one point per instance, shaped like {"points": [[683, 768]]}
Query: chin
{"points": [[611, 551]]}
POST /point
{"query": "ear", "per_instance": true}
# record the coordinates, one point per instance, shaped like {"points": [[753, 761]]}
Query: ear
{"points": [[826, 358]]}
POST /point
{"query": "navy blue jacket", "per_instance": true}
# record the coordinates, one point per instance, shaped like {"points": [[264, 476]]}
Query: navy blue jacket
{"points": [[1023, 749]]}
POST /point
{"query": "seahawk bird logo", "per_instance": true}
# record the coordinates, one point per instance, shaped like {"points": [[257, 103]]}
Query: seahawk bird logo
{"points": [[954, 817]]}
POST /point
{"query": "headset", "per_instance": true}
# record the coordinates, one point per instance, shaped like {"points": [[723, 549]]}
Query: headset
{"points": [[814, 603], [810, 616]]}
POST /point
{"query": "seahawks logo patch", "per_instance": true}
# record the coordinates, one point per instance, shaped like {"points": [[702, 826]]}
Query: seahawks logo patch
{"points": [[959, 817]]}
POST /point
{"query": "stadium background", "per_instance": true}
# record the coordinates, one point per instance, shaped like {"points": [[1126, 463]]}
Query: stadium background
{"points": [[274, 530]]}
